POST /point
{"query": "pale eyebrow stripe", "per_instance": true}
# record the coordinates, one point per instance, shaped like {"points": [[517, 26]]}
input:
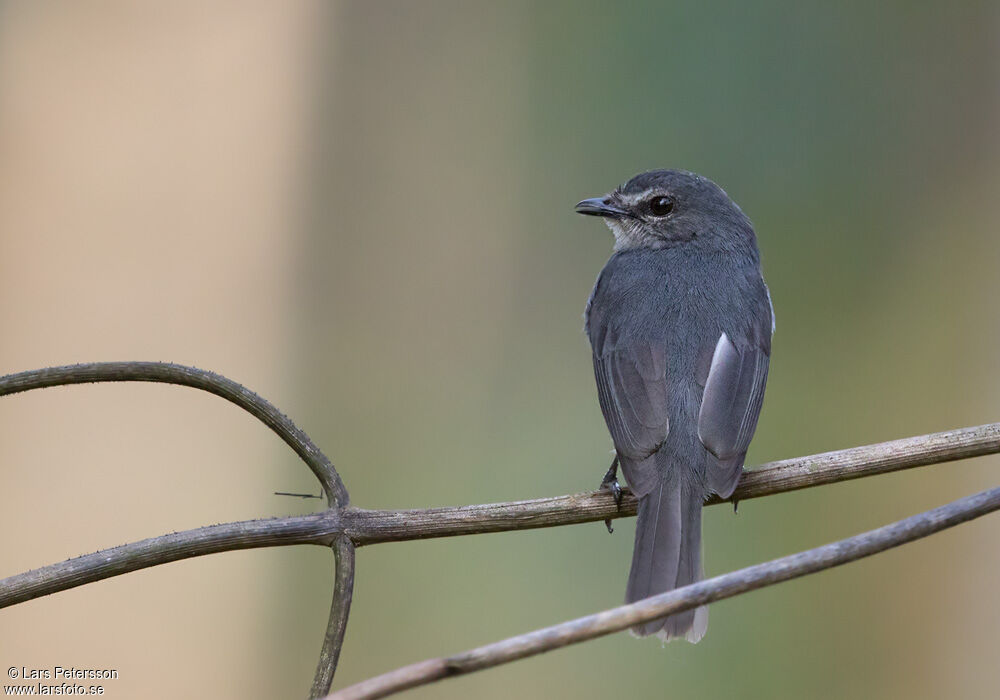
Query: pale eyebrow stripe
{"points": [[633, 199]]}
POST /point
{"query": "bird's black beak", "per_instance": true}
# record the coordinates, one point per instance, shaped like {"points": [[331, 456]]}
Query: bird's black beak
{"points": [[599, 206]]}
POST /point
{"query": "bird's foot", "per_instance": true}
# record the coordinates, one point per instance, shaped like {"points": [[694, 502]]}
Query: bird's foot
{"points": [[610, 483]]}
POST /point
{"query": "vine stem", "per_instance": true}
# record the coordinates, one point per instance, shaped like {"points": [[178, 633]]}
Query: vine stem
{"points": [[675, 601], [343, 527], [169, 373], [205, 540]]}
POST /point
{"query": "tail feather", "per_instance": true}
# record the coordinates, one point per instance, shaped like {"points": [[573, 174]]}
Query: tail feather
{"points": [[667, 555]]}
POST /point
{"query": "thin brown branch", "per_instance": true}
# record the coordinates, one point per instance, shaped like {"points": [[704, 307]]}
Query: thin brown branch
{"points": [[372, 526], [318, 528], [678, 600], [343, 527], [343, 592], [211, 382]]}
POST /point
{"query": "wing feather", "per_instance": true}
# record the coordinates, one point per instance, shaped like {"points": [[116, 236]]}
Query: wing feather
{"points": [[730, 406], [632, 388]]}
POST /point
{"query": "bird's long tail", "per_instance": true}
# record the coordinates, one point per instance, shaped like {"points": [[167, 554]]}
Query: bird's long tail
{"points": [[667, 555]]}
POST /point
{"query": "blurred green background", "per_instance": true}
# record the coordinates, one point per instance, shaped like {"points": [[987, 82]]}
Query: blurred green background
{"points": [[364, 211]]}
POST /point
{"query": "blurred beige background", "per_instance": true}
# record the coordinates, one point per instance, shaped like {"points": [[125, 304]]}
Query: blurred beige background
{"points": [[152, 160], [363, 210]]}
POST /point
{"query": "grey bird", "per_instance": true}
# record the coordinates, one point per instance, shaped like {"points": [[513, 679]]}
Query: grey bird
{"points": [[680, 323]]}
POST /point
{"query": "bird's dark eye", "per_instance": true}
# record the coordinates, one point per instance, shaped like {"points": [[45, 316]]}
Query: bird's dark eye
{"points": [[661, 206]]}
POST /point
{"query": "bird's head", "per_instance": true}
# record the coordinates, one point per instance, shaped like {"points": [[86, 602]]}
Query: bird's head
{"points": [[666, 208]]}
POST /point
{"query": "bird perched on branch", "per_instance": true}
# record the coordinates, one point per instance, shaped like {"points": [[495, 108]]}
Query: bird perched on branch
{"points": [[680, 324]]}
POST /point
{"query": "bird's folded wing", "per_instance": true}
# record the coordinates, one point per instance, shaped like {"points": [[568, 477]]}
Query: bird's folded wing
{"points": [[632, 387], [730, 406]]}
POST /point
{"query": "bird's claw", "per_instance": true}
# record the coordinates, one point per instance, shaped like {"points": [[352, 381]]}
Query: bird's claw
{"points": [[616, 490], [610, 483]]}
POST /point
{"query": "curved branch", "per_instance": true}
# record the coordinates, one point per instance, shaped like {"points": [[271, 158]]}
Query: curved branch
{"points": [[343, 592], [211, 382], [372, 526], [318, 528], [678, 600]]}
